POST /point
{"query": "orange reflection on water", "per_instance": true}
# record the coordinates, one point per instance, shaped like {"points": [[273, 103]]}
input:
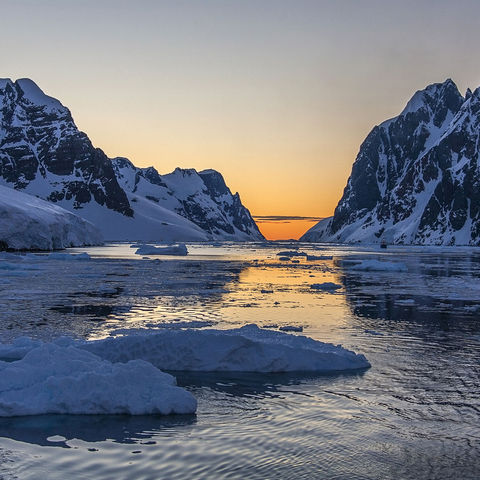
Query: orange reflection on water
{"points": [[273, 294]]}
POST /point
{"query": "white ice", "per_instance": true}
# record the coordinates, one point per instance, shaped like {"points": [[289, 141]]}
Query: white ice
{"points": [[52, 378], [248, 349], [179, 249], [29, 223]]}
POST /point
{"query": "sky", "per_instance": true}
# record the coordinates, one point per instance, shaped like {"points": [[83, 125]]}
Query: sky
{"points": [[277, 95]]}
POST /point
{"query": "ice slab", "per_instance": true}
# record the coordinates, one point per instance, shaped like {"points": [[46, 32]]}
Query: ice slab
{"points": [[58, 379], [247, 349], [179, 249]]}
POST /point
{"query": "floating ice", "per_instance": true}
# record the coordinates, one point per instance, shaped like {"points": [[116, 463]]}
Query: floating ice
{"points": [[52, 378], [248, 349], [179, 249], [319, 257], [291, 328], [245, 349], [328, 286]]}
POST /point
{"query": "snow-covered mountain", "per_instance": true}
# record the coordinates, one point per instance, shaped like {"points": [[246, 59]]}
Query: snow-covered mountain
{"points": [[29, 223], [43, 153], [201, 197], [416, 179]]}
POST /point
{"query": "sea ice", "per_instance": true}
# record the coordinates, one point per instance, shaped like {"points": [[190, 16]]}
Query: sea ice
{"points": [[291, 253], [179, 249], [319, 257], [52, 378], [249, 349], [291, 328]]}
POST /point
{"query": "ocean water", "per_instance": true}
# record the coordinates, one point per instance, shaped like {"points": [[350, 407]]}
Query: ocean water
{"points": [[415, 414]]}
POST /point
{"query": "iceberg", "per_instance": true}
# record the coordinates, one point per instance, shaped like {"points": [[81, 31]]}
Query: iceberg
{"points": [[179, 249]]}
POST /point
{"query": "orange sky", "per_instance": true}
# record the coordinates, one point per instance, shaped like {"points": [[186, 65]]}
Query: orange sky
{"points": [[275, 94], [285, 230]]}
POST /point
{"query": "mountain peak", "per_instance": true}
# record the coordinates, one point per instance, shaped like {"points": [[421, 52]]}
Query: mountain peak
{"points": [[33, 93], [415, 178], [446, 92]]}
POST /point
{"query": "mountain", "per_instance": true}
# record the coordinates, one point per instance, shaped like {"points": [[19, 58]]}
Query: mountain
{"points": [[43, 153], [201, 197], [29, 223], [416, 179]]}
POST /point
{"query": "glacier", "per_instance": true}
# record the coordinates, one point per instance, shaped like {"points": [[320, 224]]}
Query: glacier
{"points": [[29, 223]]}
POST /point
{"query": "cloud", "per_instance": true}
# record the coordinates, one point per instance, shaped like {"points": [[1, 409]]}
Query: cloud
{"points": [[284, 218]]}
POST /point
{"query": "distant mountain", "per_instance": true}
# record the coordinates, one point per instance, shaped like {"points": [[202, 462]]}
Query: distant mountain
{"points": [[29, 223], [416, 179], [43, 153], [201, 197]]}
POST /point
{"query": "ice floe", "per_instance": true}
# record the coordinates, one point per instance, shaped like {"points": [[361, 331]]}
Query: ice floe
{"points": [[179, 249], [247, 349], [291, 328], [52, 378]]}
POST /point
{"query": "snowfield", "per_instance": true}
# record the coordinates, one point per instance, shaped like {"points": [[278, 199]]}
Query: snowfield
{"points": [[29, 223]]}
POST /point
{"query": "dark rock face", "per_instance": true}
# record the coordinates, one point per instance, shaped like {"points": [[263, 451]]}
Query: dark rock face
{"points": [[416, 177], [39, 140]]}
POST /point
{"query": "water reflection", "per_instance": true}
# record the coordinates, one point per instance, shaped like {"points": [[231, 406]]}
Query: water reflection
{"points": [[245, 384], [124, 429]]}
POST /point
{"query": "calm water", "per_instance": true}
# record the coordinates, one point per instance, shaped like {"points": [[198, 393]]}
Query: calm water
{"points": [[415, 414]]}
